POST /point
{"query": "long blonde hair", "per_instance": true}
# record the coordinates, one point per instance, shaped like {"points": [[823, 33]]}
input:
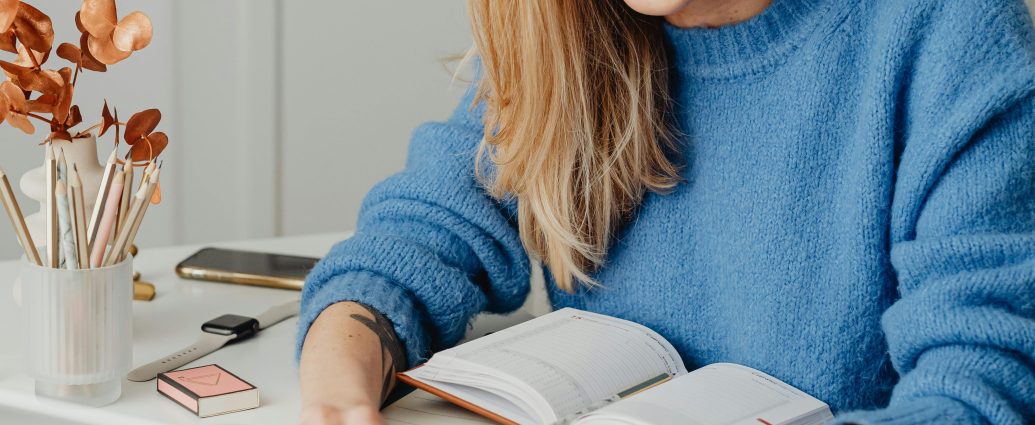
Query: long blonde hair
{"points": [[576, 122]]}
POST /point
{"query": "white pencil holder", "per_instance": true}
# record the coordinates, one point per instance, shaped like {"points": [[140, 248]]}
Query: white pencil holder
{"points": [[78, 330]]}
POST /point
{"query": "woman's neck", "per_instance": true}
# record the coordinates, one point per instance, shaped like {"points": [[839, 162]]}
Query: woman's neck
{"points": [[716, 13]]}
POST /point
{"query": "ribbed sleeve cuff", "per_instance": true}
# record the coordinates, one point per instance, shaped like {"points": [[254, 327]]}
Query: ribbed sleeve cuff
{"points": [[375, 292], [929, 410]]}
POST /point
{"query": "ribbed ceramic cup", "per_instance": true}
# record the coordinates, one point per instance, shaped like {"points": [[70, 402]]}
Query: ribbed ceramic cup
{"points": [[78, 327]]}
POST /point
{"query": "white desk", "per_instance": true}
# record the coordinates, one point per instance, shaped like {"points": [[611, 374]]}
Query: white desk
{"points": [[170, 322]]}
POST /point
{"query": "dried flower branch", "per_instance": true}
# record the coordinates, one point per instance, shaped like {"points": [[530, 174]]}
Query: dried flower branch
{"points": [[104, 40]]}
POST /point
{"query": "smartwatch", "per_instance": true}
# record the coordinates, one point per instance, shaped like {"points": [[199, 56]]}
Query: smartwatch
{"points": [[215, 334]]}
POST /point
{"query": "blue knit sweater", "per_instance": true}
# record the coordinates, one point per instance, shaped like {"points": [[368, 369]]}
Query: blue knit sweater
{"points": [[857, 217]]}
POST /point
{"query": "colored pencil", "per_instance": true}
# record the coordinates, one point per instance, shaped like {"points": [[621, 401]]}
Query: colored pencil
{"points": [[102, 198], [152, 185], [79, 217], [69, 254], [107, 221], [50, 169], [14, 212], [127, 196]]}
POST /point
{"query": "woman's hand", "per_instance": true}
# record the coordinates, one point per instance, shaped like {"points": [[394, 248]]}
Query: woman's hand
{"points": [[330, 415], [348, 366]]}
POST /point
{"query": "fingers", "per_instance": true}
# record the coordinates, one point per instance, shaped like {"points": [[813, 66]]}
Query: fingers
{"points": [[364, 415], [328, 415], [321, 415]]}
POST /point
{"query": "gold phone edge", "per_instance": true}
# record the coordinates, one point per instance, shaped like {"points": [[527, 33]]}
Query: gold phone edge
{"points": [[209, 275]]}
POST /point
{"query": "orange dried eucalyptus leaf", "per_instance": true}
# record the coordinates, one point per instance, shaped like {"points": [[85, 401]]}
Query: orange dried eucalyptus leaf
{"points": [[16, 107], [117, 125], [14, 96], [33, 28], [106, 119], [4, 107], [44, 103], [60, 135], [13, 70], [7, 41], [133, 32], [88, 60], [141, 124], [61, 110], [43, 81], [69, 52], [98, 17], [36, 58], [149, 148], [20, 122], [79, 23], [8, 10], [74, 117], [104, 50]]}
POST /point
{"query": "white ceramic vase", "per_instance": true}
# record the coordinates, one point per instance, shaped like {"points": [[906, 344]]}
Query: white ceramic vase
{"points": [[83, 153]]}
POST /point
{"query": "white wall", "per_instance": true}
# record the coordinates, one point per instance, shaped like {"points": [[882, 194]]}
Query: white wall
{"points": [[281, 114], [358, 77]]}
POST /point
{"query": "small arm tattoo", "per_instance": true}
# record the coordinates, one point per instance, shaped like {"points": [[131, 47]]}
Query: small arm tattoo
{"points": [[392, 355]]}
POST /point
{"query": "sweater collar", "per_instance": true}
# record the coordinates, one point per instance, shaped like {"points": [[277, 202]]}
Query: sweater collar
{"points": [[749, 46]]}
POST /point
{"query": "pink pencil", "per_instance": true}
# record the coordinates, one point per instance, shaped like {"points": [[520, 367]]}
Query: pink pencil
{"points": [[111, 209]]}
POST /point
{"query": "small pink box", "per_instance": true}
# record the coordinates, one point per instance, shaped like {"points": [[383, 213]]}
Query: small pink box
{"points": [[208, 390]]}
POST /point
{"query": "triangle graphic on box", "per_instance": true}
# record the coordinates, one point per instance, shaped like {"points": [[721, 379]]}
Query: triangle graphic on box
{"points": [[210, 379]]}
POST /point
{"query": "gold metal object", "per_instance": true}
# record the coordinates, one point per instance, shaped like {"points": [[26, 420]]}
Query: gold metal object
{"points": [[143, 291], [188, 272]]}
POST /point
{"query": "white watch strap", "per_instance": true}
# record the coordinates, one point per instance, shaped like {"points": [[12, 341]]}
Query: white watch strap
{"points": [[208, 343], [278, 313], [205, 344]]}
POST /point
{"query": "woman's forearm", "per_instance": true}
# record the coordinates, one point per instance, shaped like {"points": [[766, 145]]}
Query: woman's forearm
{"points": [[349, 358]]}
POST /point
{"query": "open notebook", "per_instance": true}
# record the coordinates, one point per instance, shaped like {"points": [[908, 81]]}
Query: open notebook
{"points": [[572, 366]]}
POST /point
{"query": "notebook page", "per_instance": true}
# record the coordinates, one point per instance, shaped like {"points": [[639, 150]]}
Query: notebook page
{"points": [[570, 358], [718, 394]]}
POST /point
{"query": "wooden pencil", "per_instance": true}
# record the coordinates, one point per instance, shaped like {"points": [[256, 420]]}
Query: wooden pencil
{"points": [[14, 212], [102, 198], [127, 195], [118, 247], [107, 221], [152, 185], [148, 170], [69, 254], [79, 216]]}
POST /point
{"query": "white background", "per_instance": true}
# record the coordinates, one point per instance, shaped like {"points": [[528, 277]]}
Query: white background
{"points": [[281, 114]]}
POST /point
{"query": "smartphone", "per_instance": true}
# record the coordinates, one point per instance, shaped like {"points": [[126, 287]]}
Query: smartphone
{"points": [[247, 268]]}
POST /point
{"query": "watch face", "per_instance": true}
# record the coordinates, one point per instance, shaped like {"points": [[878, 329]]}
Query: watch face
{"points": [[228, 324]]}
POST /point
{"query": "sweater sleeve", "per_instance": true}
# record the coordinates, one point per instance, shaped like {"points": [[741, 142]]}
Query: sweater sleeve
{"points": [[962, 335], [962, 225], [431, 249]]}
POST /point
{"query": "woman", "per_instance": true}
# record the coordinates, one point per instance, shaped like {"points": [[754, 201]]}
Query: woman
{"points": [[838, 193]]}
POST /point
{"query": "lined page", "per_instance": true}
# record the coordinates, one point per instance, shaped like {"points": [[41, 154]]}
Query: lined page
{"points": [[570, 358], [718, 394]]}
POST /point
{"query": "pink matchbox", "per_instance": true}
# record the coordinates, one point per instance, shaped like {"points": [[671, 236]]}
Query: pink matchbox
{"points": [[208, 390]]}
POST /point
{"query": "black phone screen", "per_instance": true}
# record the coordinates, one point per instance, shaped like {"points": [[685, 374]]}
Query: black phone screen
{"points": [[254, 263]]}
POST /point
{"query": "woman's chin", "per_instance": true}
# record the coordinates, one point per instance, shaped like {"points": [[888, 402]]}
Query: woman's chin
{"points": [[657, 7]]}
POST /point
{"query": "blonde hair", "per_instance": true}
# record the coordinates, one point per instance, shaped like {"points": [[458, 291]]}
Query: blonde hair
{"points": [[576, 121]]}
